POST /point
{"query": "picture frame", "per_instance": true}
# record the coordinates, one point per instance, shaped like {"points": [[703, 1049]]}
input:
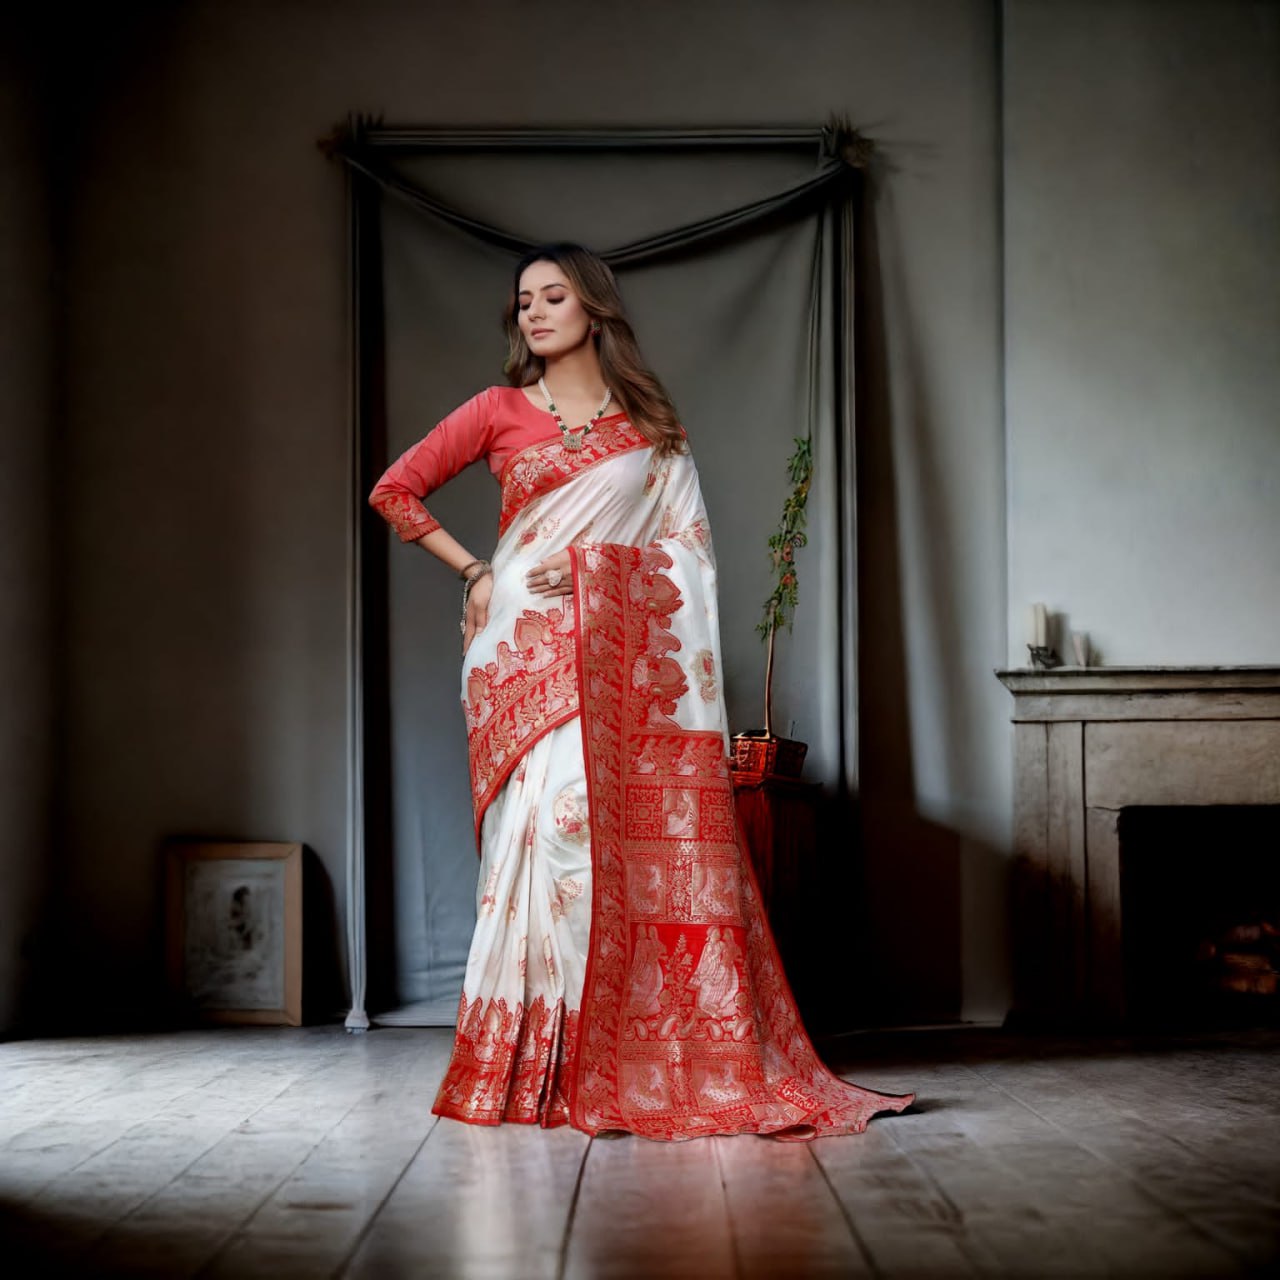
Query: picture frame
{"points": [[233, 931]]}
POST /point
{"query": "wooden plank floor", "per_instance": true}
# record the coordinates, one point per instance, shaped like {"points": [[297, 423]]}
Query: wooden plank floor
{"points": [[300, 1153]]}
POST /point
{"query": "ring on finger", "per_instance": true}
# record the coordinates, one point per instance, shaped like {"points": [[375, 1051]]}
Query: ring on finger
{"points": [[553, 577]]}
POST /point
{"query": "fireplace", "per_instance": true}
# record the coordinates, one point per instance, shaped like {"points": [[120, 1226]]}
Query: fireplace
{"points": [[1111, 765], [1200, 914]]}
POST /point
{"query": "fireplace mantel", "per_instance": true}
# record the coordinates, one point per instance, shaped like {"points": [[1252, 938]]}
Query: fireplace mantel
{"points": [[1089, 742]]}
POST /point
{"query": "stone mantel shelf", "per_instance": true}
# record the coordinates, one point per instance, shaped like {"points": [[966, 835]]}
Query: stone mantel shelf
{"points": [[1143, 693], [1088, 743]]}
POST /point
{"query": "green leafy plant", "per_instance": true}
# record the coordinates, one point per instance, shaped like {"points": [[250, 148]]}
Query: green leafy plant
{"points": [[784, 542]]}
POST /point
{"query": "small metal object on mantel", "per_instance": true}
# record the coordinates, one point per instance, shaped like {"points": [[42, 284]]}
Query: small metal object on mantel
{"points": [[1043, 657]]}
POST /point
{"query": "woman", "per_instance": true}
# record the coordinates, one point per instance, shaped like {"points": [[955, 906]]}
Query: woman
{"points": [[621, 975]]}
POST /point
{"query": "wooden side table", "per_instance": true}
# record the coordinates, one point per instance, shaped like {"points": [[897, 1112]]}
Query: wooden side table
{"points": [[802, 844], [779, 818]]}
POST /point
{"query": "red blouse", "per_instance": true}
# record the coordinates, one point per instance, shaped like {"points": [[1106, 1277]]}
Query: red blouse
{"points": [[494, 425]]}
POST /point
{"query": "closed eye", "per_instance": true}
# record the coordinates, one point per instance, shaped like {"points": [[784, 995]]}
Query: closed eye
{"points": [[524, 306]]}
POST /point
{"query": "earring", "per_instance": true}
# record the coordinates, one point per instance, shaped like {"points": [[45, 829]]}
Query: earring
{"points": [[595, 326]]}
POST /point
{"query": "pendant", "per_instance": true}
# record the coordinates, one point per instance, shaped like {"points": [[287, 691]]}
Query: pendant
{"points": [[573, 439]]}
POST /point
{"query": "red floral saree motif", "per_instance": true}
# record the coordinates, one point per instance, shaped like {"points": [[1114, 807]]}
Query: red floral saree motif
{"points": [[530, 687], [688, 1026]]}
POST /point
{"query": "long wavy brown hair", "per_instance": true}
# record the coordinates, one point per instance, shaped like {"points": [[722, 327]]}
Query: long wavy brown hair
{"points": [[634, 385]]}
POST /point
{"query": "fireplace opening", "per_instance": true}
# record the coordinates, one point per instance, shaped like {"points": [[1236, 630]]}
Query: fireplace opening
{"points": [[1200, 922]]}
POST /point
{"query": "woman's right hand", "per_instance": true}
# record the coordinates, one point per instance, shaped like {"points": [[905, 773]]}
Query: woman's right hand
{"points": [[477, 615]]}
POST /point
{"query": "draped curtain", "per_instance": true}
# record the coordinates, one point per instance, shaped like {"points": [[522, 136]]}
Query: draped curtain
{"points": [[734, 252]]}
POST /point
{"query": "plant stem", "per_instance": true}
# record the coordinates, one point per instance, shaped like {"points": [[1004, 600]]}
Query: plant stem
{"points": [[768, 685]]}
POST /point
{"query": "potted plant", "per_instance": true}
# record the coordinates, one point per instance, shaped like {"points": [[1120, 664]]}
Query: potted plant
{"points": [[761, 750]]}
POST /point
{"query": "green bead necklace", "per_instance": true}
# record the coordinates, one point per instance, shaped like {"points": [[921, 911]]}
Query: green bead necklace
{"points": [[573, 439]]}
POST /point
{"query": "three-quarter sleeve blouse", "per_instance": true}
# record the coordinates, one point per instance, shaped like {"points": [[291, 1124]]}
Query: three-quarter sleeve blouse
{"points": [[494, 425], [462, 437]]}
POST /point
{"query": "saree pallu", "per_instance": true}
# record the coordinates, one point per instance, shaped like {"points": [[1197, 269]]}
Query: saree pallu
{"points": [[622, 975]]}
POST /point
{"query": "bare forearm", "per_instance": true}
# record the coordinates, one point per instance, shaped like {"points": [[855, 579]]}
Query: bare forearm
{"points": [[446, 548]]}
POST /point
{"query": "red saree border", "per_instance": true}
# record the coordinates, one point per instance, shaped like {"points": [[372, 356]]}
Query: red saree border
{"points": [[529, 688], [542, 467], [405, 514], [510, 1065], [688, 1025], [500, 776]]}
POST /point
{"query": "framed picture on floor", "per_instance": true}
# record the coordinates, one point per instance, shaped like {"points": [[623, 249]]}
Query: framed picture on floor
{"points": [[233, 926]]}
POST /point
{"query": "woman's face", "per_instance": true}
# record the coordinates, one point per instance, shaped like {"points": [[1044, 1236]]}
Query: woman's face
{"points": [[550, 314]]}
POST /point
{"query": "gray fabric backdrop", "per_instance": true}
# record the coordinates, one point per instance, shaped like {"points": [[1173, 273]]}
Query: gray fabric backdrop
{"points": [[728, 331]]}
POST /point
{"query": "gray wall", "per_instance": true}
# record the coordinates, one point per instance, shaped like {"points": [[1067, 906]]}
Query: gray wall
{"points": [[207, 631], [1143, 309], [207, 472], [27, 529]]}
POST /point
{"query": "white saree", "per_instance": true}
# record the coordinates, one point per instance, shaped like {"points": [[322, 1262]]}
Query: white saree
{"points": [[621, 975]]}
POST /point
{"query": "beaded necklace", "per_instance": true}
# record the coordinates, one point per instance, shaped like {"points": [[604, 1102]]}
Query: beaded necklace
{"points": [[573, 439]]}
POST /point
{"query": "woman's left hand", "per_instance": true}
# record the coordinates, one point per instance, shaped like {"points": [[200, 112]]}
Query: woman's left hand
{"points": [[552, 577]]}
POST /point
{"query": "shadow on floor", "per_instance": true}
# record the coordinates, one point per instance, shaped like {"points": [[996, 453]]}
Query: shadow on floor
{"points": [[974, 1045]]}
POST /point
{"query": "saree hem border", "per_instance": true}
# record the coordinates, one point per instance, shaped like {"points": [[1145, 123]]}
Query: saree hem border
{"points": [[458, 1114]]}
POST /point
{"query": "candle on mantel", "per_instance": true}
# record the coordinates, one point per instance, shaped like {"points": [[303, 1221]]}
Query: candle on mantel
{"points": [[1039, 625]]}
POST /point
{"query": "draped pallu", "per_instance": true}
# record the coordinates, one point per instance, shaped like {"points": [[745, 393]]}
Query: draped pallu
{"points": [[622, 975]]}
